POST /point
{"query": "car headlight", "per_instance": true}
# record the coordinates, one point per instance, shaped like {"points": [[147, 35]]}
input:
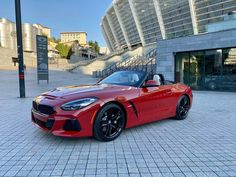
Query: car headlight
{"points": [[78, 104]]}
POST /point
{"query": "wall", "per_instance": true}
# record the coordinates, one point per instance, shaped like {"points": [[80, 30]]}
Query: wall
{"points": [[167, 48]]}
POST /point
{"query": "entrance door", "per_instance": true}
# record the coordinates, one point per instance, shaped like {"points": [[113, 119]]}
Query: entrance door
{"points": [[196, 70], [213, 69]]}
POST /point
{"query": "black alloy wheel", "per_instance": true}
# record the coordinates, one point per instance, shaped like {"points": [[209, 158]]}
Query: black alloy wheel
{"points": [[109, 123], [183, 107]]}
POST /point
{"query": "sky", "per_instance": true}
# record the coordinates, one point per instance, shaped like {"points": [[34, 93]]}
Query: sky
{"points": [[61, 15]]}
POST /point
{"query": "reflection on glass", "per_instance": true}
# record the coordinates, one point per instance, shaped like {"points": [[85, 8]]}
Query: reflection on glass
{"points": [[196, 72], [181, 75], [213, 67], [209, 70], [229, 69]]}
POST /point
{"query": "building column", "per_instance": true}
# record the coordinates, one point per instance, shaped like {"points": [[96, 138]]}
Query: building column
{"points": [[193, 16], [138, 26], [113, 30], [106, 36], [121, 25], [160, 19]]}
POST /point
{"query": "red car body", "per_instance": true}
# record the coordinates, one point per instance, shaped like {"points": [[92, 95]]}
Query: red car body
{"points": [[140, 104]]}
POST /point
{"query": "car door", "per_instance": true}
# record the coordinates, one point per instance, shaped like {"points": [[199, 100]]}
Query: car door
{"points": [[152, 103]]}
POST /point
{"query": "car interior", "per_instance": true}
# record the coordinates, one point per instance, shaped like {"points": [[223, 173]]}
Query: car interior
{"points": [[158, 79]]}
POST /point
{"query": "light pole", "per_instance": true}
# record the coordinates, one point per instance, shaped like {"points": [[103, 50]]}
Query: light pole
{"points": [[20, 49]]}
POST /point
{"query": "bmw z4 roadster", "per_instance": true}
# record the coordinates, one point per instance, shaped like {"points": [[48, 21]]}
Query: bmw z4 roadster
{"points": [[122, 100]]}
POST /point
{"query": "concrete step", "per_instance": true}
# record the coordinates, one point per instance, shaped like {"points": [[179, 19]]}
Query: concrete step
{"points": [[99, 64]]}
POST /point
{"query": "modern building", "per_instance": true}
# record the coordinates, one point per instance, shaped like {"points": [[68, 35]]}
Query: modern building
{"points": [[70, 37], [205, 61], [8, 35], [128, 23]]}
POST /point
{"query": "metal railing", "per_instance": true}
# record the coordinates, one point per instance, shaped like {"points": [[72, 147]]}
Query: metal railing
{"points": [[142, 63]]}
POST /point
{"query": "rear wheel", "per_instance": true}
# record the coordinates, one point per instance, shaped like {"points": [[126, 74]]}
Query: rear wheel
{"points": [[182, 108], [109, 123]]}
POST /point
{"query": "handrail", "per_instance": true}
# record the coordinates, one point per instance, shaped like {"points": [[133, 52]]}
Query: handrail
{"points": [[137, 62]]}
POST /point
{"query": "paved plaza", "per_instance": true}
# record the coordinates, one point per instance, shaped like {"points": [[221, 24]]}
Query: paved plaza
{"points": [[202, 145]]}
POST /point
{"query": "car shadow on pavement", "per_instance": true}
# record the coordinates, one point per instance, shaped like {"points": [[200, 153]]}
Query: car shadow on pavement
{"points": [[162, 124]]}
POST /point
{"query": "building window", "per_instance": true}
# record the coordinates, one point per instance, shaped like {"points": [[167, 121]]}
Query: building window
{"points": [[207, 70]]}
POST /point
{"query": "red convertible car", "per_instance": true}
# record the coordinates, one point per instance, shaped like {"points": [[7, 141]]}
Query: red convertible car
{"points": [[122, 100]]}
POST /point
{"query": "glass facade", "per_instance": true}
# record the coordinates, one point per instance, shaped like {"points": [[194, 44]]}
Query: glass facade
{"points": [[148, 21], [147, 18], [117, 29], [109, 33], [176, 17], [128, 21], [208, 69], [211, 11]]}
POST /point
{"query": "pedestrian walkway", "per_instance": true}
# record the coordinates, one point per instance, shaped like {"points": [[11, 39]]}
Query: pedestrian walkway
{"points": [[202, 145], [10, 87]]}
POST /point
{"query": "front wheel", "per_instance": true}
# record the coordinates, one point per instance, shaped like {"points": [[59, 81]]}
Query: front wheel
{"points": [[182, 108], [109, 123]]}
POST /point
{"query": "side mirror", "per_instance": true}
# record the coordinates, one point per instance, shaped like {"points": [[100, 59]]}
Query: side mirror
{"points": [[151, 83]]}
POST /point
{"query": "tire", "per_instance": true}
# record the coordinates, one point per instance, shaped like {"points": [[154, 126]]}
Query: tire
{"points": [[212, 85], [109, 123], [182, 108]]}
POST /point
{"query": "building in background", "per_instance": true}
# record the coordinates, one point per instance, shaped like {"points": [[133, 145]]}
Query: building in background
{"points": [[69, 37], [205, 61], [131, 23], [104, 50], [45, 30], [8, 35]]}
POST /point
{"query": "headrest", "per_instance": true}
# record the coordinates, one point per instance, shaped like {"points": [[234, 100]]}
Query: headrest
{"points": [[157, 78]]}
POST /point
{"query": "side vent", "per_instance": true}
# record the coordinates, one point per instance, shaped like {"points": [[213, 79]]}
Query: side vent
{"points": [[134, 108]]}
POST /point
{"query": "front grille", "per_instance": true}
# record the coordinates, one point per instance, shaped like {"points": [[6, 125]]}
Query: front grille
{"points": [[45, 109], [35, 106]]}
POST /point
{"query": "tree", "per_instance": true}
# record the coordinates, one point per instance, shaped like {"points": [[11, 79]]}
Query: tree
{"points": [[94, 46], [53, 39], [63, 49]]}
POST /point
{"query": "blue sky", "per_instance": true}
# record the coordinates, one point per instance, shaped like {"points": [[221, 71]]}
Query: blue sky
{"points": [[61, 15]]}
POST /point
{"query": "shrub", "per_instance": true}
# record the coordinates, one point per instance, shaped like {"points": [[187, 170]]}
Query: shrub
{"points": [[63, 50]]}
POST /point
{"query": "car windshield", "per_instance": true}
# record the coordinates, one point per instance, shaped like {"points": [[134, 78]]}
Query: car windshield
{"points": [[126, 78]]}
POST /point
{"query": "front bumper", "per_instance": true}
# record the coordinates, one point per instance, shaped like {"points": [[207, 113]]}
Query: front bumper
{"points": [[69, 125]]}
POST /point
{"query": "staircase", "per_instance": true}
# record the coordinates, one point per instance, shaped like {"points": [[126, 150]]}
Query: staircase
{"points": [[100, 63], [145, 62], [72, 66], [75, 65]]}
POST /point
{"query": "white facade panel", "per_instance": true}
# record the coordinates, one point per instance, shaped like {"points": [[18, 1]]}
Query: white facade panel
{"points": [[147, 21]]}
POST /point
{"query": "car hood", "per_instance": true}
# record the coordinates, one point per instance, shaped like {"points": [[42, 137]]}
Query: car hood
{"points": [[84, 90]]}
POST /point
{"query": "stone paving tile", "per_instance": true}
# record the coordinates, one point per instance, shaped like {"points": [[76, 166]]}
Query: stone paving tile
{"points": [[203, 145]]}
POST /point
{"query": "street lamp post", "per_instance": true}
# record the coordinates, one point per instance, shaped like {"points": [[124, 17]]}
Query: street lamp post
{"points": [[20, 48]]}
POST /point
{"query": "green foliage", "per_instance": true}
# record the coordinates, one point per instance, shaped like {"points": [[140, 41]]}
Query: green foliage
{"points": [[53, 39], [94, 46], [190, 73], [63, 50]]}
